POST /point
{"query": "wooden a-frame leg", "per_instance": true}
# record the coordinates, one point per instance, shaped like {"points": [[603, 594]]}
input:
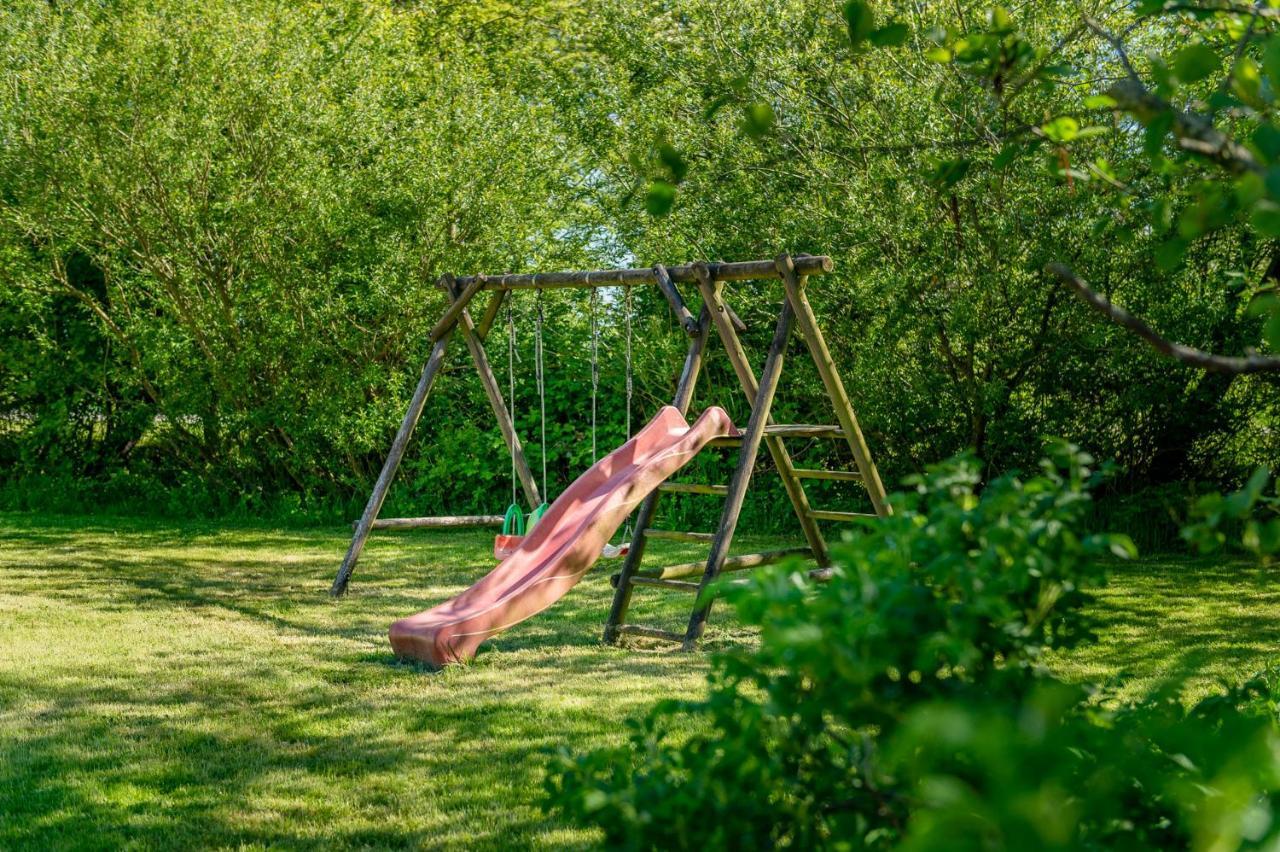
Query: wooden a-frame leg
{"points": [[722, 316], [644, 518], [807, 323], [493, 392], [389, 467], [768, 386]]}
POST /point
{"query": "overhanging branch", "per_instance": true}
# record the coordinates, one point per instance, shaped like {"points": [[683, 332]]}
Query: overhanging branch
{"points": [[1179, 352]]}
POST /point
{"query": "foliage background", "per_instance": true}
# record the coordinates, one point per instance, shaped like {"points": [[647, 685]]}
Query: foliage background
{"points": [[220, 227]]}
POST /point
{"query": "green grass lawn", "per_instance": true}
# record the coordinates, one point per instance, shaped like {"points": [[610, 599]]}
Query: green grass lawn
{"points": [[190, 686]]}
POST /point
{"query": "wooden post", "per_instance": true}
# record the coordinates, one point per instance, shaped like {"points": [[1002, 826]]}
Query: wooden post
{"points": [[494, 393], [812, 334], [720, 315], [751, 439], [389, 467], [644, 518]]}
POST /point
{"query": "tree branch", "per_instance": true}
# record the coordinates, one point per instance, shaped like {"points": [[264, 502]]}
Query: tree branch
{"points": [[1193, 131], [1179, 352]]}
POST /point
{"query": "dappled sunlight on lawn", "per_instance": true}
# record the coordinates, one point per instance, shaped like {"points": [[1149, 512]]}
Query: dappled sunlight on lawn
{"points": [[199, 687]]}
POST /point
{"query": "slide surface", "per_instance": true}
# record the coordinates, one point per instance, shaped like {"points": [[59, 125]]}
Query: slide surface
{"points": [[565, 543]]}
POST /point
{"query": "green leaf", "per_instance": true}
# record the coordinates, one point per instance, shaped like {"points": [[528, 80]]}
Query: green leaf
{"points": [[1266, 218], [1267, 140], [674, 163], [757, 119], [1195, 62], [860, 20], [1100, 102], [1271, 331], [660, 198], [890, 35], [1271, 60], [1170, 253], [1240, 503], [948, 173], [1007, 155], [1062, 129], [1157, 129], [999, 19], [938, 54]]}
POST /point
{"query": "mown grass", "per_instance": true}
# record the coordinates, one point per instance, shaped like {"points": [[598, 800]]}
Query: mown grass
{"points": [[164, 686]]}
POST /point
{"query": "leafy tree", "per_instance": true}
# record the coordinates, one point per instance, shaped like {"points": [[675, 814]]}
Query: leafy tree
{"points": [[904, 703]]}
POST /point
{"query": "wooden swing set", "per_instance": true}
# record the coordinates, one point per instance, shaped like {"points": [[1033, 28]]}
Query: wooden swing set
{"points": [[710, 279]]}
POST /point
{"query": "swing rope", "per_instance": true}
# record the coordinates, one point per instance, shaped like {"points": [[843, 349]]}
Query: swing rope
{"points": [[595, 371], [542, 391], [511, 387], [630, 386]]}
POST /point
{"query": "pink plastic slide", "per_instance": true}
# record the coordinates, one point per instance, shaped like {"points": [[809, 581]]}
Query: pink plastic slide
{"points": [[563, 546]]}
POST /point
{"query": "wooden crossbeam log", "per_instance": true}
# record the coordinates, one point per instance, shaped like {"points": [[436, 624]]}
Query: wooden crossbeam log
{"points": [[686, 274], [693, 488], [435, 522]]}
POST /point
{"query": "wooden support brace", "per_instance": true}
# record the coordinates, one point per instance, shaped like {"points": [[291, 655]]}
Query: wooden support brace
{"points": [[490, 314], [687, 322]]}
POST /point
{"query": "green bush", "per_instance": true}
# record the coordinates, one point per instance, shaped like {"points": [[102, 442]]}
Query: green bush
{"points": [[905, 702]]}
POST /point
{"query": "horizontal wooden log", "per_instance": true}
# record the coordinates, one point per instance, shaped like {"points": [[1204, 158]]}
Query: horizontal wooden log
{"points": [[693, 488], [650, 632], [741, 271], [837, 475], [678, 535], [681, 585], [733, 563], [825, 515], [437, 522]]}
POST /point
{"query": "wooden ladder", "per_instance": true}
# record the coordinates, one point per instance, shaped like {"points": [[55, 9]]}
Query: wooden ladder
{"points": [[795, 313]]}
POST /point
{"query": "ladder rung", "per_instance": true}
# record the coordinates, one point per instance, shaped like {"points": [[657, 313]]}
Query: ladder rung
{"points": [[650, 632], [693, 488], [785, 430], [733, 563], [824, 515], [678, 535], [803, 430], [838, 475]]}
